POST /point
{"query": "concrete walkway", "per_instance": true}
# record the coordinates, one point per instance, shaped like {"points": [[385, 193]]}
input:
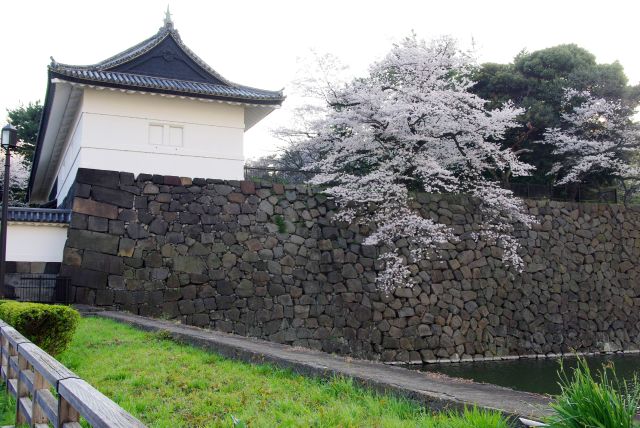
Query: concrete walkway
{"points": [[433, 390]]}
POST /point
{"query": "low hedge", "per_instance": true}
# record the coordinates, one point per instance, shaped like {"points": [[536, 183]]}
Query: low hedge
{"points": [[51, 327]]}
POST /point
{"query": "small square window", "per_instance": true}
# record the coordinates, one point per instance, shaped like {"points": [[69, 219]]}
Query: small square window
{"points": [[175, 136], [156, 134]]}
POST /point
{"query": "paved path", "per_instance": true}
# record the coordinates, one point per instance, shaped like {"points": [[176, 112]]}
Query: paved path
{"points": [[434, 390]]}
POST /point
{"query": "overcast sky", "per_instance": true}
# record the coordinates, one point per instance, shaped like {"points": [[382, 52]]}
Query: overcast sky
{"points": [[259, 43]]}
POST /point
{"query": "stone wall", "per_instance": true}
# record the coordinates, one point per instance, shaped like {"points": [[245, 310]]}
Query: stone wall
{"points": [[266, 260]]}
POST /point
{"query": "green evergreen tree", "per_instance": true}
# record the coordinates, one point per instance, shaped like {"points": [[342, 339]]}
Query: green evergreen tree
{"points": [[536, 81], [26, 119]]}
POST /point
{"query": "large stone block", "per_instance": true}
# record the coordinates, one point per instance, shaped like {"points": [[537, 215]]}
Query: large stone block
{"points": [[172, 180], [97, 224], [117, 197], [158, 227], [103, 262], [136, 231], [104, 297], [87, 240], [245, 288], [186, 307], [189, 218], [72, 256], [189, 264], [98, 177], [248, 187], [79, 221], [98, 209], [89, 278], [126, 247]]}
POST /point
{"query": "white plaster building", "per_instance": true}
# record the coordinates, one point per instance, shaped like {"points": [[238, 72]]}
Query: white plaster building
{"points": [[35, 245], [154, 108], [36, 234]]}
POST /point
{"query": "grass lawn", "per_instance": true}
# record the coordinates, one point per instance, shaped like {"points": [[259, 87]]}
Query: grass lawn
{"points": [[166, 384], [7, 412]]}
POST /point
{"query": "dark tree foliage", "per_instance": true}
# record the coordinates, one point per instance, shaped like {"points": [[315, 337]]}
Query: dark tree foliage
{"points": [[27, 120], [536, 81], [287, 166]]}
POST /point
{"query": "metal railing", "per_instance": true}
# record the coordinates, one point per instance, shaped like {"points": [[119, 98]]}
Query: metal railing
{"points": [[47, 392], [569, 192], [279, 175], [41, 288]]}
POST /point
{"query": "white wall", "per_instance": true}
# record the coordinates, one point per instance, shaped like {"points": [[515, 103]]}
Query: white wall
{"points": [[70, 158], [144, 133], [35, 242]]}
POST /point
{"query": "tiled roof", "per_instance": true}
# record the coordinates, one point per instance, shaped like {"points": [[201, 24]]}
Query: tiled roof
{"points": [[39, 215], [237, 92], [132, 69]]}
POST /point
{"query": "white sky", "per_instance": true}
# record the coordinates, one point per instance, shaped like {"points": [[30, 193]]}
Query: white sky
{"points": [[259, 42]]}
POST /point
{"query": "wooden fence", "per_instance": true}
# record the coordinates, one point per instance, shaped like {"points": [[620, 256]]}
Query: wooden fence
{"points": [[30, 375]]}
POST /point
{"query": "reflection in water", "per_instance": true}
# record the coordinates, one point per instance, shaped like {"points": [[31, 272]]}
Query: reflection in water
{"points": [[533, 375]]}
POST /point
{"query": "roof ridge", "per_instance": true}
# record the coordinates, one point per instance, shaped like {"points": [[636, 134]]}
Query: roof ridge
{"points": [[115, 71], [145, 46], [134, 51], [121, 57]]}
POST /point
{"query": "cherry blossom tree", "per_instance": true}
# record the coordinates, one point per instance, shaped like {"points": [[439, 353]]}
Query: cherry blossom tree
{"points": [[316, 83], [18, 178], [596, 137], [412, 125]]}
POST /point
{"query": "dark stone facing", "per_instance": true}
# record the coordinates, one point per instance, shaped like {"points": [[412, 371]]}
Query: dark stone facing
{"points": [[211, 253], [93, 208], [87, 240], [120, 198], [103, 178]]}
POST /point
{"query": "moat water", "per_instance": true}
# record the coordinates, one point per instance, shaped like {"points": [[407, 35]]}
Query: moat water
{"points": [[534, 375]]}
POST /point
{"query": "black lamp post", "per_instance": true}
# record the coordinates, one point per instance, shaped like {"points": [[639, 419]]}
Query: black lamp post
{"points": [[9, 141]]}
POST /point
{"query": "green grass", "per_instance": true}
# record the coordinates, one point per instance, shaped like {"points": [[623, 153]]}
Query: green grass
{"points": [[167, 384], [279, 221], [7, 408], [599, 402]]}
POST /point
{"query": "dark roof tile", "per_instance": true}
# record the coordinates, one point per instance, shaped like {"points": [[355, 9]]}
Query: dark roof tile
{"points": [[39, 215], [130, 69], [238, 93]]}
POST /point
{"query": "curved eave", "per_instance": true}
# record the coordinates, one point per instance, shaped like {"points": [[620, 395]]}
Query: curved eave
{"points": [[60, 107], [271, 102], [44, 120]]}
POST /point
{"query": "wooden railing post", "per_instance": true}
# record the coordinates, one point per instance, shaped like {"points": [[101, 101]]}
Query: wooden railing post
{"points": [[38, 416], [30, 374], [3, 345], [11, 373], [23, 408], [66, 413]]}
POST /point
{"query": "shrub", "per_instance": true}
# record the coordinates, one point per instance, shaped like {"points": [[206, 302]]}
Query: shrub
{"points": [[587, 402], [51, 327]]}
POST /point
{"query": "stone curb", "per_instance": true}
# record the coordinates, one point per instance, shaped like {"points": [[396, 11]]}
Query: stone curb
{"points": [[437, 392], [515, 357]]}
